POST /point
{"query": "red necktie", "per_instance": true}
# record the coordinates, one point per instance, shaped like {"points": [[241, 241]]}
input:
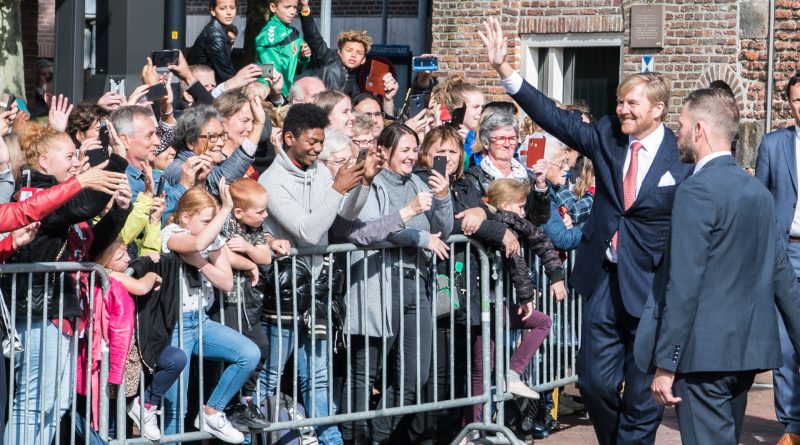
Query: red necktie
{"points": [[629, 183]]}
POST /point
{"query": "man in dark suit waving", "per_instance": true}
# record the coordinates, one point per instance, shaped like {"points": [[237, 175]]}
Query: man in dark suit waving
{"points": [[776, 168], [728, 271], [637, 169]]}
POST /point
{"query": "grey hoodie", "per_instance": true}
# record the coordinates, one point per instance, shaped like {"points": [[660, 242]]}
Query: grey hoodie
{"points": [[303, 204]]}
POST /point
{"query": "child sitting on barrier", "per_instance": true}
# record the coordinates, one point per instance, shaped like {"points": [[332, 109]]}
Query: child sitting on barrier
{"points": [[241, 310], [194, 235], [171, 360], [508, 198]]}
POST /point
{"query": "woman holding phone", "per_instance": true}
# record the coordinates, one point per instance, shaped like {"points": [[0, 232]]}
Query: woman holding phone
{"points": [[423, 218], [200, 139], [499, 133]]}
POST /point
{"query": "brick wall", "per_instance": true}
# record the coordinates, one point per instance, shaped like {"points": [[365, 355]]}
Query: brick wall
{"points": [[753, 60], [338, 8], [703, 41]]}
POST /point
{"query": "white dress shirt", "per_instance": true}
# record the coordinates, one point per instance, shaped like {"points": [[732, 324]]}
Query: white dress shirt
{"points": [[650, 145], [702, 163]]}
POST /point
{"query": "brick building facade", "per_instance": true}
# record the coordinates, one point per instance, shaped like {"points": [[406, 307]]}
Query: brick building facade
{"points": [[703, 41]]}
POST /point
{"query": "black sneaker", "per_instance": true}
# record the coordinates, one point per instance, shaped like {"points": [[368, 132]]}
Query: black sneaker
{"points": [[246, 417], [258, 416]]}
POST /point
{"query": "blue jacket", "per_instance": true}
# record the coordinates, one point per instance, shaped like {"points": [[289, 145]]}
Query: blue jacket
{"points": [[563, 238], [776, 168]]}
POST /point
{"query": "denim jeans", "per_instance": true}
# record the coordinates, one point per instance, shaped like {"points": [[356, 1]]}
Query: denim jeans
{"points": [[220, 343], [270, 377], [56, 376]]}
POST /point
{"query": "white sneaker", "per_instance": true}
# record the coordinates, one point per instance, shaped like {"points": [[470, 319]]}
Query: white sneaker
{"points": [[517, 387], [218, 425], [148, 426]]}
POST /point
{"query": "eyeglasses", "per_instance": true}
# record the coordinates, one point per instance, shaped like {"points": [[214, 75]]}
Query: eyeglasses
{"points": [[214, 137], [560, 165], [338, 162], [504, 140], [365, 143], [374, 114]]}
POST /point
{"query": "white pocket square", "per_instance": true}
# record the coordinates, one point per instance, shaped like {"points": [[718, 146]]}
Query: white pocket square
{"points": [[666, 180]]}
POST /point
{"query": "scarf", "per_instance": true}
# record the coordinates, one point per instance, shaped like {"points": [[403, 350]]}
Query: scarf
{"points": [[518, 171]]}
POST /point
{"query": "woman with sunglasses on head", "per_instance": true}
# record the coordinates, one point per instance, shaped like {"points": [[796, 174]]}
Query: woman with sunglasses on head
{"points": [[201, 140]]}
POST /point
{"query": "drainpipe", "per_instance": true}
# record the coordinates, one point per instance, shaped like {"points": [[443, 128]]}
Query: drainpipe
{"points": [[325, 20], [422, 26], [770, 64], [384, 21]]}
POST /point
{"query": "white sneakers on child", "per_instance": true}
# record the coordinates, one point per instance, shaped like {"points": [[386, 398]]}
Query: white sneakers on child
{"points": [[148, 425], [218, 425], [517, 387]]}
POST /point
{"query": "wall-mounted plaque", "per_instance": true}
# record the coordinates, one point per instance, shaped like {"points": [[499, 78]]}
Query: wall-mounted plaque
{"points": [[647, 26]]}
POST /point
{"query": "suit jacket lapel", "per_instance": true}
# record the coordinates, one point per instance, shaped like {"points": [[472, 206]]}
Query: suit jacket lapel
{"points": [[791, 156], [665, 156]]}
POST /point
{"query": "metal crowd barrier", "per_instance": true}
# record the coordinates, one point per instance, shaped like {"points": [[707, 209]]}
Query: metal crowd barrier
{"points": [[448, 381], [34, 341]]}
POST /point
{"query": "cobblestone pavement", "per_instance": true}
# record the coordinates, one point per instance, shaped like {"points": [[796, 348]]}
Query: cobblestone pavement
{"points": [[760, 425]]}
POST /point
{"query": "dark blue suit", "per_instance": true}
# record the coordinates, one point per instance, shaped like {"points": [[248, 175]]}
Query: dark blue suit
{"points": [[776, 168], [614, 295], [728, 270]]}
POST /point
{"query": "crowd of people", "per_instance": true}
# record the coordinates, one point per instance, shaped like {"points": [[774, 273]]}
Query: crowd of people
{"points": [[193, 203]]}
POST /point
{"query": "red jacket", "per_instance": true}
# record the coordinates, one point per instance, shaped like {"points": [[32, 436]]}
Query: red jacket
{"points": [[14, 215]]}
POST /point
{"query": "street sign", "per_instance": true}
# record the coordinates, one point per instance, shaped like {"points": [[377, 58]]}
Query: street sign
{"points": [[648, 64]]}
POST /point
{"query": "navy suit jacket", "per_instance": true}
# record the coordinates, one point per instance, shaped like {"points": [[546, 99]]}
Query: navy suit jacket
{"points": [[776, 168], [728, 270], [643, 228]]}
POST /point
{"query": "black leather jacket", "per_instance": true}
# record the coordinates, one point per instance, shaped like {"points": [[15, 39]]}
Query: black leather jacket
{"points": [[213, 48], [325, 62], [52, 238]]}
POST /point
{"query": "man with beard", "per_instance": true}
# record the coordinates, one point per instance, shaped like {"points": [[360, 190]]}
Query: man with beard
{"points": [[728, 270], [637, 167]]}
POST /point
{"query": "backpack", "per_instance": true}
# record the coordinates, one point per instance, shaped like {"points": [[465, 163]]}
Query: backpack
{"points": [[287, 410]]}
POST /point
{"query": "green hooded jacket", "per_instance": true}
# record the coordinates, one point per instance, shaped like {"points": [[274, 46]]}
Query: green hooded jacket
{"points": [[280, 44]]}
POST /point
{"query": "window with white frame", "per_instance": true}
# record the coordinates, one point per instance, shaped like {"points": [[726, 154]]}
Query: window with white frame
{"points": [[574, 68]]}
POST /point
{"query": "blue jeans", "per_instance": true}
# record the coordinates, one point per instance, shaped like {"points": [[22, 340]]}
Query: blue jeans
{"points": [[48, 374], [327, 434], [220, 343]]}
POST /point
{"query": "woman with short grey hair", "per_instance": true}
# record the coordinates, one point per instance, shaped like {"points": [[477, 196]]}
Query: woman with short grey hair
{"points": [[498, 133], [200, 139]]}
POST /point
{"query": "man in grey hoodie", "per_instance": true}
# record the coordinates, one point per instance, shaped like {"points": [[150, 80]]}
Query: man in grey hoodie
{"points": [[304, 201]]}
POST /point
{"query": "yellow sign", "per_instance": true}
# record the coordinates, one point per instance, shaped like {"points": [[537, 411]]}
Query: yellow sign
{"points": [[174, 35]]}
